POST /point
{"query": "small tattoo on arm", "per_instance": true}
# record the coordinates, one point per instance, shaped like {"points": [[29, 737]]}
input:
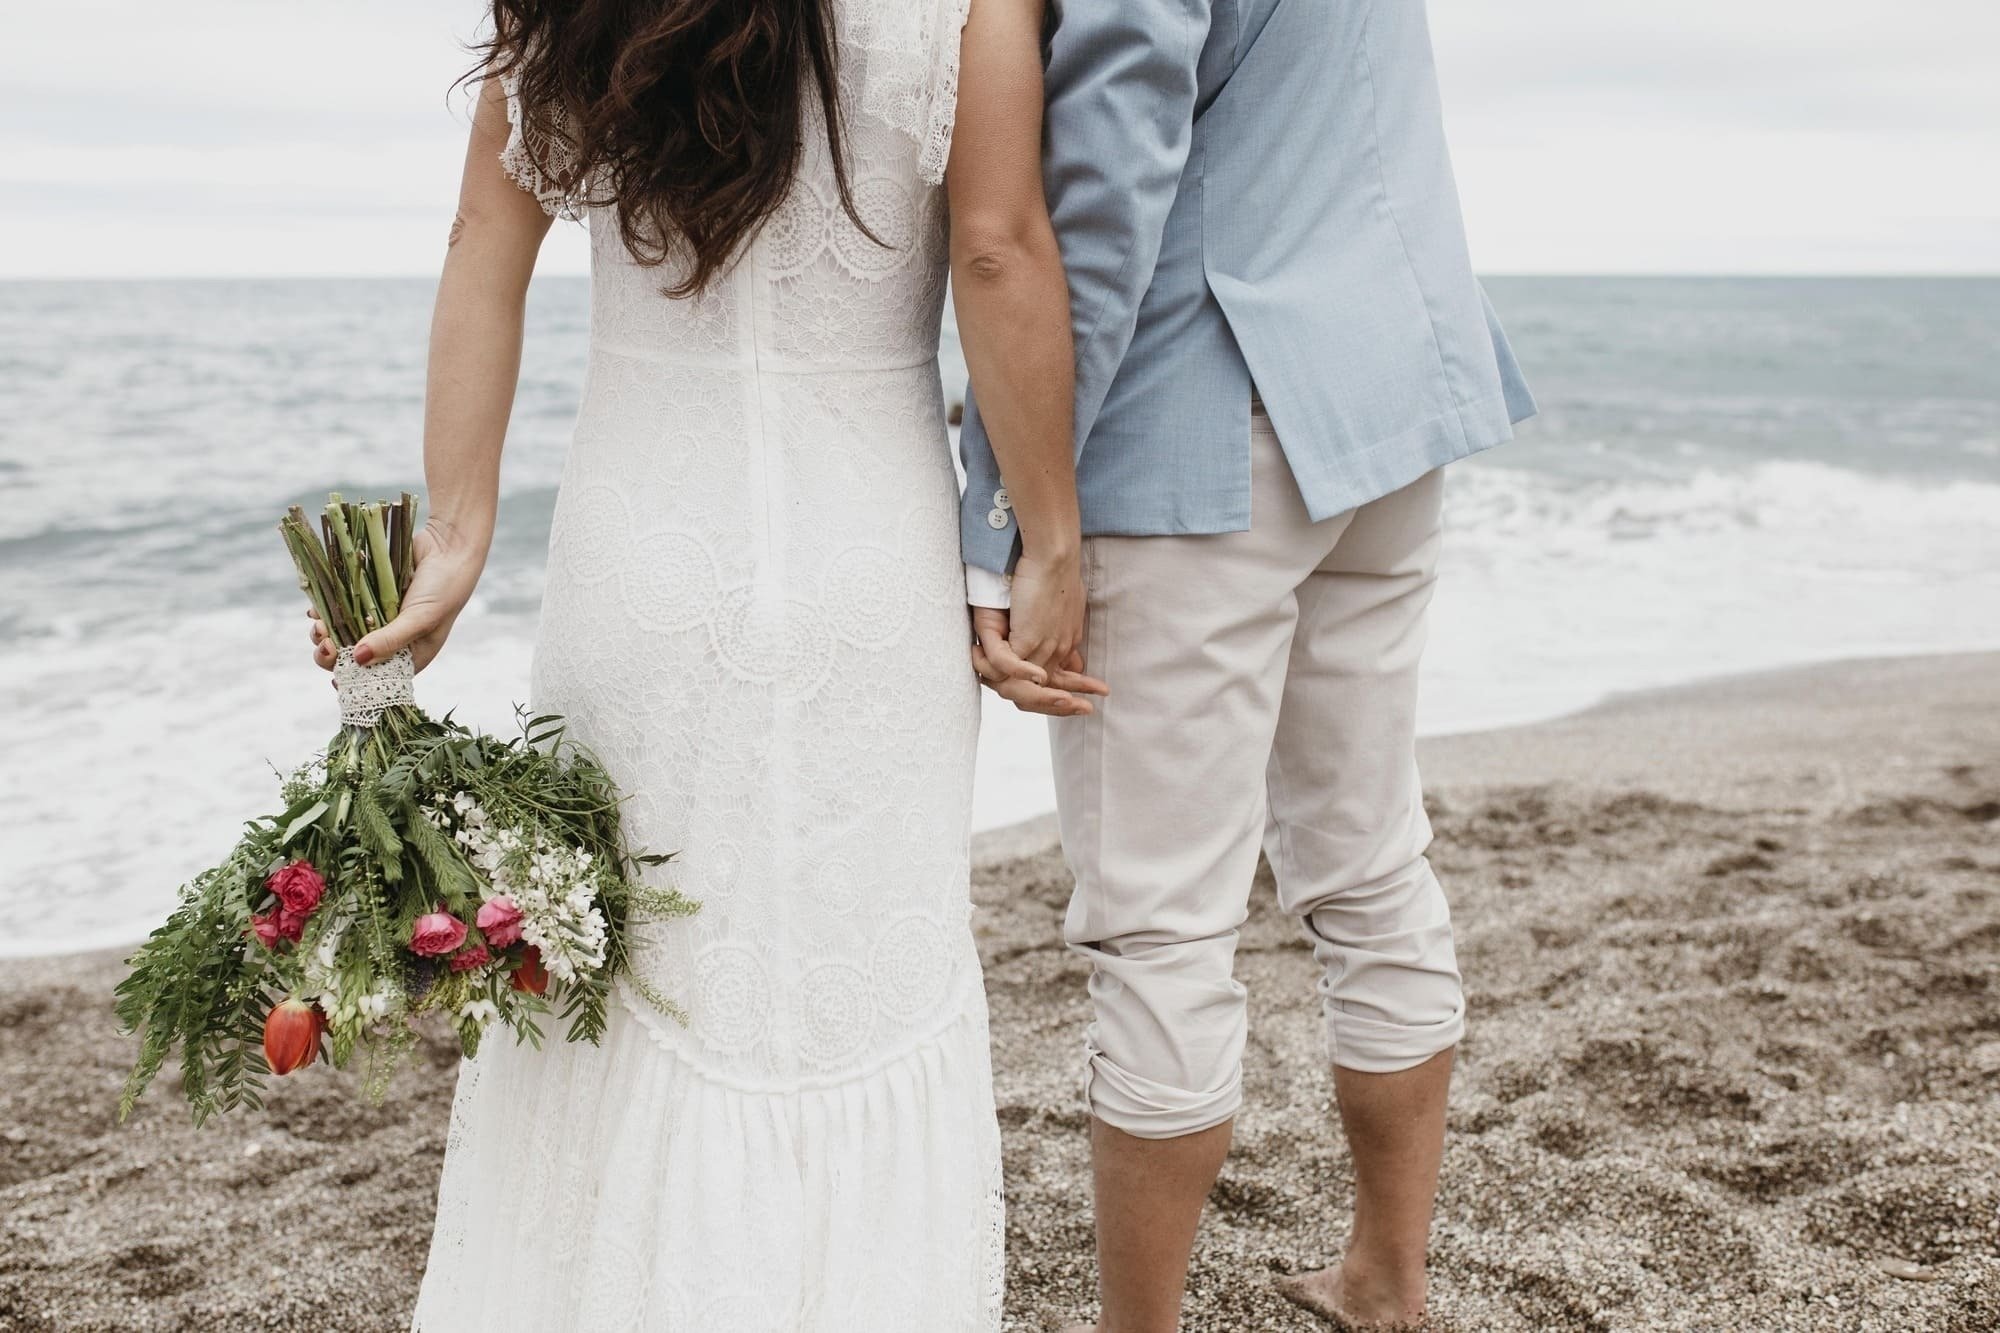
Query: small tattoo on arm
{"points": [[457, 230]]}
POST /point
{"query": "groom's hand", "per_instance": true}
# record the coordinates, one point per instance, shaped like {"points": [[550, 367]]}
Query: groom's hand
{"points": [[1045, 621], [1056, 690]]}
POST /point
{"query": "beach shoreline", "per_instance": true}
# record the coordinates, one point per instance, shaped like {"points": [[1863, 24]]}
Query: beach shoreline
{"points": [[1029, 735], [1732, 953]]}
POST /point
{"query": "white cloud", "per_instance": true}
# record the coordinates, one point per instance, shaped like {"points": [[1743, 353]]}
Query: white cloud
{"points": [[270, 138], [265, 136], [1725, 135]]}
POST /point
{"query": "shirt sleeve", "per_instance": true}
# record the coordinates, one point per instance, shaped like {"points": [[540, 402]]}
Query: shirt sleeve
{"points": [[1122, 85], [984, 587]]}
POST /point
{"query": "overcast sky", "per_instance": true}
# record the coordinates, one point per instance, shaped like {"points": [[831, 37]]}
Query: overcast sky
{"points": [[276, 136]]}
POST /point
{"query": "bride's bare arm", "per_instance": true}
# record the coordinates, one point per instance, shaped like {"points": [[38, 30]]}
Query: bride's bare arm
{"points": [[1013, 319], [475, 359]]}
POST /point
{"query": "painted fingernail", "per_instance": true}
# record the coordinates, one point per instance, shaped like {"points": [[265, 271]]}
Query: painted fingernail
{"points": [[364, 654]]}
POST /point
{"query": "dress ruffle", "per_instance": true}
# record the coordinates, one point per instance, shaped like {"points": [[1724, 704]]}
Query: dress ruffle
{"points": [[643, 1195]]}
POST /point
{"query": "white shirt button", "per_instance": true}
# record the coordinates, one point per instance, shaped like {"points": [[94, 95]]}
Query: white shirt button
{"points": [[1000, 500], [996, 518]]}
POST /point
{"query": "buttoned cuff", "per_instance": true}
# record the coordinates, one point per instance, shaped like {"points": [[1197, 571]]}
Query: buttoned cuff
{"points": [[983, 587]]}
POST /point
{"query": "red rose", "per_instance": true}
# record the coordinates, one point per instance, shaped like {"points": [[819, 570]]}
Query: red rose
{"points": [[266, 929], [531, 976], [298, 886], [467, 959], [500, 922], [271, 927], [436, 933]]}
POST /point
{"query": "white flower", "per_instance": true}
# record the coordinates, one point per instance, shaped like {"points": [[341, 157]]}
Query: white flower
{"points": [[322, 966], [480, 1012], [554, 886]]}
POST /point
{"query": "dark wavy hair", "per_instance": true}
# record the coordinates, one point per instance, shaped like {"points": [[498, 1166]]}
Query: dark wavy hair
{"points": [[688, 116]]}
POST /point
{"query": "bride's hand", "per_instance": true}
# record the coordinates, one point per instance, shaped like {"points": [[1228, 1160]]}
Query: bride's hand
{"points": [[447, 570]]}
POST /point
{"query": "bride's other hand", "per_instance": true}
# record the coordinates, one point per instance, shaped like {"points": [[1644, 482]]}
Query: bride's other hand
{"points": [[322, 646], [447, 571], [475, 359]]}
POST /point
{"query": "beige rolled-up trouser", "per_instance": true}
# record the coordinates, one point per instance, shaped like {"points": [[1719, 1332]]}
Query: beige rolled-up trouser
{"points": [[1263, 692]]}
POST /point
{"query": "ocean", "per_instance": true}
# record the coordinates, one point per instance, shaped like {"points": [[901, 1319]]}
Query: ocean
{"points": [[1728, 474]]}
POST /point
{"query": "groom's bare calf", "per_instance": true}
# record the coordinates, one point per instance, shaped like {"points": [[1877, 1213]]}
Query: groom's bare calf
{"points": [[1150, 1194], [1395, 1133]]}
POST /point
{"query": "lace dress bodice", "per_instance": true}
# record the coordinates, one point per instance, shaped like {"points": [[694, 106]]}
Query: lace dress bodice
{"points": [[811, 292]]}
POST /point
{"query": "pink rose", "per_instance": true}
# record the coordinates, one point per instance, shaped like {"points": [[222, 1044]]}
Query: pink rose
{"points": [[271, 927], [298, 886], [436, 933], [265, 928], [500, 922], [467, 959]]}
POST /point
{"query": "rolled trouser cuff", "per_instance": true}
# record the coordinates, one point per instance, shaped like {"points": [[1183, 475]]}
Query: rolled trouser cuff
{"points": [[1372, 1046], [1148, 1110]]}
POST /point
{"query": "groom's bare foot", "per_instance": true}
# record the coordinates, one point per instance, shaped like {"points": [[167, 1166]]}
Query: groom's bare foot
{"points": [[1354, 1307], [1322, 1293]]}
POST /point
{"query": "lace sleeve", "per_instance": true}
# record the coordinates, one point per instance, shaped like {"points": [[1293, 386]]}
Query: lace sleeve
{"points": [[909, 80], [520, 157]]}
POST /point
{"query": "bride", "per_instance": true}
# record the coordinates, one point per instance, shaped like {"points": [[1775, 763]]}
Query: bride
{"points": [[755, 616]]}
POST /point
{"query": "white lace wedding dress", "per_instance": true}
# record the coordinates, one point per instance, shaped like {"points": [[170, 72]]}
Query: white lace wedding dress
{"points": [[755, 617]]}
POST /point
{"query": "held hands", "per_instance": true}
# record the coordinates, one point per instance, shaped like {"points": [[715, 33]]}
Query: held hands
{"points": [[1032, 655], [447, 569]]}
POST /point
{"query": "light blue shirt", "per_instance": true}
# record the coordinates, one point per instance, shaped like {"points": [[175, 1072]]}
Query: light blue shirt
{"points": [[1255, 192]]}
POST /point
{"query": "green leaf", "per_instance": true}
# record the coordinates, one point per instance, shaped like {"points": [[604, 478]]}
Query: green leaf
{"points": [[378, 835], [304, 821]]}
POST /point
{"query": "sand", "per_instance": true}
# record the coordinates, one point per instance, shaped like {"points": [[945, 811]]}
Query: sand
{"points": [[1733, 962]]}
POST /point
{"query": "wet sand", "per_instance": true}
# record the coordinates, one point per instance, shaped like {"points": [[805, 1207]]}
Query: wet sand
{"points": [[1733, 962]]}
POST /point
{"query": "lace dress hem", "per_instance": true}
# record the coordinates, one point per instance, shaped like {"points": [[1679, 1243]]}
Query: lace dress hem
{"points": [[624, 1169]]}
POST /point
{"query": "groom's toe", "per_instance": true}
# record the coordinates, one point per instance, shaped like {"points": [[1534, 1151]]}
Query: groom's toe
{"points": [[1318, 1292]]}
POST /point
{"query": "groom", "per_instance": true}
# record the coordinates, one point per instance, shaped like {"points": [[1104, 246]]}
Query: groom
{"points": [[1279, 345]]}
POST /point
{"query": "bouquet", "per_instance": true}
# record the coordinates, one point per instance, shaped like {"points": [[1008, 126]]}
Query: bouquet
{"points": [[416, 867]]}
